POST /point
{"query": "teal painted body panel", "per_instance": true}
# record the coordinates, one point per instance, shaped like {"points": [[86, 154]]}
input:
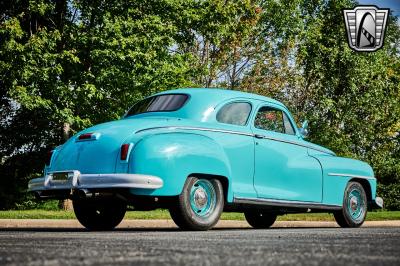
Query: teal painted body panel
{"points": [[348, 168], [100, 155], [173, 145], [173, 157], [282, 170]]}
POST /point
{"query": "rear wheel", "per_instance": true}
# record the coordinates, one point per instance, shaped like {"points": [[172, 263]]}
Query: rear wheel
{"points": [[259, 219], [99, 215], [200, 204], [354, 208]]}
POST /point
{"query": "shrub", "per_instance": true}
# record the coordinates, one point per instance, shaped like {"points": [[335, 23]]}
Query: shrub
{"points": [[391, 196]]}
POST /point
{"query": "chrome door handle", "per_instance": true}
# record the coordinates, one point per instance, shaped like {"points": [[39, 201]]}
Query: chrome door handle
{"points": [[258, 136]]}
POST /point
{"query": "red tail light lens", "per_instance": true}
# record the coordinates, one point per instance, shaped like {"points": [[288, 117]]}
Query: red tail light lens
{"points": [[124, 151], [85, 136], [48, 159]]}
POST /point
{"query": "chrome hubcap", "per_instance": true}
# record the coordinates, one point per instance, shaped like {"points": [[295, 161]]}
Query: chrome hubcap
{"points": [[354, 203], [200, 198]]}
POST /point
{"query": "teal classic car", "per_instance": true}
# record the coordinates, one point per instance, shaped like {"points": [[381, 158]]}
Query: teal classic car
{"points": [[199, 152]]}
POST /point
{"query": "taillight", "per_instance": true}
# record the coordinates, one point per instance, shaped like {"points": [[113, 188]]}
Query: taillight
{"points": [[48, 159], [88, 136], [124, 151], [85, 136]]}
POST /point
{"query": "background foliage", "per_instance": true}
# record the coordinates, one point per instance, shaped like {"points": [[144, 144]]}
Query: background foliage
{"points": [[68, 64]]}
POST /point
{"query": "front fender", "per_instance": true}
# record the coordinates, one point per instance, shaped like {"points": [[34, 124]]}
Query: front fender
{"points": [[338, 171], [173, 156]]}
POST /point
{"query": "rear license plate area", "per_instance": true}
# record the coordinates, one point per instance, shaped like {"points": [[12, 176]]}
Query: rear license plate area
{"points": [[60, 176]]}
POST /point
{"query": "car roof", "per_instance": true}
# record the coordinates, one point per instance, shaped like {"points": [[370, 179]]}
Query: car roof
{"points": [[222, 94]]}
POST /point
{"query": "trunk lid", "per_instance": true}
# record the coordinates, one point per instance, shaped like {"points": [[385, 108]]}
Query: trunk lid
{"points": [[100, 155]]}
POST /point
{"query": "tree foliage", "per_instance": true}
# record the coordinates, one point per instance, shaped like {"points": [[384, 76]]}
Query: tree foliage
{"points": [[68, 64]]}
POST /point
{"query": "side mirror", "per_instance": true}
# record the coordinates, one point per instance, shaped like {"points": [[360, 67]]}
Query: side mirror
{"points": [[304, 129]]}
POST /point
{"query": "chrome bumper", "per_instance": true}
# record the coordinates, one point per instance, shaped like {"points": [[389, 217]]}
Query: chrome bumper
{"points": [[76, 180], [378, 202]]}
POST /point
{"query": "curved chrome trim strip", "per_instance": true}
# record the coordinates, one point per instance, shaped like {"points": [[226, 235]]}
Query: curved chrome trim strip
{"points": [[237, 133], [298, 144], [199, 128], [285, 203], [350, 175]]}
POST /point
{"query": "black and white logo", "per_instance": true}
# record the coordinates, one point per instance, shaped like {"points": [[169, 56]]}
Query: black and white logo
{"points": [[365, 27]]}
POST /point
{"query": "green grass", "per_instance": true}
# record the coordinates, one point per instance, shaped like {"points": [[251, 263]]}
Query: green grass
{"points": [[164, 214], [36, 214]]}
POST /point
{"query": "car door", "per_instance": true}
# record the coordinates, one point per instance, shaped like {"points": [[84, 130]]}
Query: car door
{"points": [[283, 168]]}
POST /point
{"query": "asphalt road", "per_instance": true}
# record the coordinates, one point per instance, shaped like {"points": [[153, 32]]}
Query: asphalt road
{"points": [[276, 246]]}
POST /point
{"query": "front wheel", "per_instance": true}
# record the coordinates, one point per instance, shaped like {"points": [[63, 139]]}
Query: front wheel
{"points": [[200, 204], [259, 219], [99, 215], [354, 208]]}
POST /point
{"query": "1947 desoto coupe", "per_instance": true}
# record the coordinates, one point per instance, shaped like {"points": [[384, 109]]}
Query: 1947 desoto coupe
{"points": [[199, 152]]}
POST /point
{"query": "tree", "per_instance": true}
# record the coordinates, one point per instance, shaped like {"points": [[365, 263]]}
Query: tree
{"points": [[351, 99], [354, 97], [65, 65], [71, 64]]}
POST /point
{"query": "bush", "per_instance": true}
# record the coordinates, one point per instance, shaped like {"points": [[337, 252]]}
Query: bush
{"points": [[391, 196]]}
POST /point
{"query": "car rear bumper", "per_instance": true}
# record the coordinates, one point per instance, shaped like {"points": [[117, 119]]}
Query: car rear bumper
{"points": [[76, 180]]}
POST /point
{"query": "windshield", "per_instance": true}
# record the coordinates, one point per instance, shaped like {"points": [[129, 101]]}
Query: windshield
{"points": [[159, 103]]}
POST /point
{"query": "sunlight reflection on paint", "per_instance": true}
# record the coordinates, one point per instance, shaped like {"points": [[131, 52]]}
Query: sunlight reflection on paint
{"points": [[170, 151], [207, 113]]}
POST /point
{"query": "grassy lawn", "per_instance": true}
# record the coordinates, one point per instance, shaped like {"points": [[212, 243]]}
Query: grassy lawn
{"points": [[164, 214]]}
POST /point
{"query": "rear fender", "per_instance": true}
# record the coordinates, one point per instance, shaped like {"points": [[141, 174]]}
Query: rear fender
{"points": [[175, 156]]}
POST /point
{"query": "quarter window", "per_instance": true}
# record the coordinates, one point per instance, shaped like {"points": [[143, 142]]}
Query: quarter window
{"points": [[235, 113], [272, 119]]}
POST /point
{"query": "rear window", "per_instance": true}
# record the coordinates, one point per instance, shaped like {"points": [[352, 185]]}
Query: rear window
{"points": [[159, 103]]}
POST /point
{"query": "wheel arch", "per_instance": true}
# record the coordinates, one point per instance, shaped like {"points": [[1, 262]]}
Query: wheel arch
{"points": [[366, 186], [223, 179]]}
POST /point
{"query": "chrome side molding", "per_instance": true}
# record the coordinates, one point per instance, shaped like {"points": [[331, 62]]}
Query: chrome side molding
{"points": [[285, 203], [350, 175], [236, 133]]}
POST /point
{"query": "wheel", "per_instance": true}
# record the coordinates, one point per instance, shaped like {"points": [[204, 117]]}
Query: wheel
{"points": [[354, 208], [259, 219], [200, 204], [99, 215]]}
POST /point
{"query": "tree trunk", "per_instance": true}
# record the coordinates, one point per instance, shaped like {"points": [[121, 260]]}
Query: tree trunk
{"points": [[65, 205]]}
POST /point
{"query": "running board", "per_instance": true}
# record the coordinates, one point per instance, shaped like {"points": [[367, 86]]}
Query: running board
{"points": [[285, 203]]}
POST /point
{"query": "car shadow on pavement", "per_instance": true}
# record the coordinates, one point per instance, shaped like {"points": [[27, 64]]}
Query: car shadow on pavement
{"points": [[141, 229]]}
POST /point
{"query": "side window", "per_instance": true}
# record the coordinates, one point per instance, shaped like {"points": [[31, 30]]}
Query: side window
{"points": [[235, 113], [288, 125], [271, 119]]}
